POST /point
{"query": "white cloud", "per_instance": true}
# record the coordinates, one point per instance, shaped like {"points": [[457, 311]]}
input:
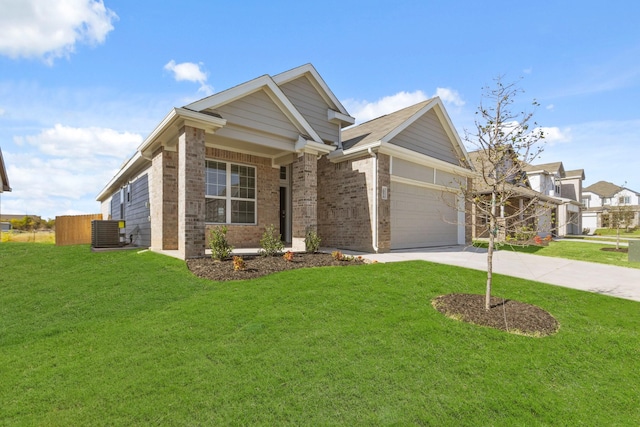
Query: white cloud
{"points": [[365, 110], [84, 143], [550, 107], [65, 170], [450, 96], [51, 29], [191, 72], [2, 112], [554, 135]]}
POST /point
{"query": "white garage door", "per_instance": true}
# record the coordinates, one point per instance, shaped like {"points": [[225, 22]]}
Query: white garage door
{"points": [[422, 217]]}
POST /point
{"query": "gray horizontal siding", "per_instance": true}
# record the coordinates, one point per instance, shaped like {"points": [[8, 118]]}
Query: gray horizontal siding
{"points": [[427, 136], [136, 212], [258, 111], [313, 108]]}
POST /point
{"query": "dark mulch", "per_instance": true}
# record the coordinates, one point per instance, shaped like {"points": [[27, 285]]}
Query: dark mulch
{"points": [[504, 314], [622, 250], [257, 266]]}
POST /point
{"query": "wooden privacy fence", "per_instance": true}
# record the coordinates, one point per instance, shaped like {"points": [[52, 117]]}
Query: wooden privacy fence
{"points": [[74, 229]]}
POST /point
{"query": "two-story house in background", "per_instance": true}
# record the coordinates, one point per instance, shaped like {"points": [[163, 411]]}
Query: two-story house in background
{"points": [[599, 198]]}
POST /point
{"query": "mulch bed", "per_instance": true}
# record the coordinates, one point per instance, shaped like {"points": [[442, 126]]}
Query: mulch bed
{"points": [[504, 314], [257, 266], [623, 250]]}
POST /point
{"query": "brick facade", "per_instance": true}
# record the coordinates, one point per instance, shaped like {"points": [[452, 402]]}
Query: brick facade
{"points": [[304, 198], [191, 190], [268, 198], [163, 197], [346, 203]]}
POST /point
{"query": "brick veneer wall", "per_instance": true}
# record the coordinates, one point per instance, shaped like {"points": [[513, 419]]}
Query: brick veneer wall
{"points": [[191, 188], [163, 197], [344, 210], [304, 198], [384, 206], [268, 198]]}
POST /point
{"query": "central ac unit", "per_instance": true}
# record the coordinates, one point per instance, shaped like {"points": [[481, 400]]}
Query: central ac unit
{"points": [[105, 234]]}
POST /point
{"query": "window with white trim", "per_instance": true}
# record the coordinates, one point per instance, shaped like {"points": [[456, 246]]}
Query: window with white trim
{"points": [[230, 194]]}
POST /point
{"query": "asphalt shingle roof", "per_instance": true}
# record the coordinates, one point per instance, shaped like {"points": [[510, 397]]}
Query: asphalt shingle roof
{"points": [[376, 129]]}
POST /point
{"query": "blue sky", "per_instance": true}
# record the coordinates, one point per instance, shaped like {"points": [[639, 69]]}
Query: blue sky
{"points": [[82, 83]]}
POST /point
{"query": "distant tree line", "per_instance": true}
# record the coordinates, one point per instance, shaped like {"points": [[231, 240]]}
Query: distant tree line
{"points": [[30, 223]]}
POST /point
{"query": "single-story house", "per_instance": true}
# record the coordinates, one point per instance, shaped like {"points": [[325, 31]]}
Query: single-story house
{"points": [[274, 150]]}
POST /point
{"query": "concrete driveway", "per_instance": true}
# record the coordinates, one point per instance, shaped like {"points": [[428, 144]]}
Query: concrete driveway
{"points": [[604, 279]]}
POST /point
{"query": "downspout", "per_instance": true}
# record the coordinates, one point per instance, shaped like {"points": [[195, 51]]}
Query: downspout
{"points": [[375, 199]]}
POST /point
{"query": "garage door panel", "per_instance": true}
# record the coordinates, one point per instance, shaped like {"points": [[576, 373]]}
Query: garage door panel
{"points": [[421, 217]]}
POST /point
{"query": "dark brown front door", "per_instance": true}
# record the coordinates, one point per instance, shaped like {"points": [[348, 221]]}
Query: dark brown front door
{"points": [[283, 213]]}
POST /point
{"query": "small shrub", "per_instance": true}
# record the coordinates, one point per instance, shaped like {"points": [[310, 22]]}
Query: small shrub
{"points": [[220, 248], [239, 264], [271, 242], [288, 256], [537, 240], [312, 242], [548, 238], [524, 233], [337, 255]]}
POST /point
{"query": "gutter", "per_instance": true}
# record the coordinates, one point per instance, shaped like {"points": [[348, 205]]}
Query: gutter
{"points": [[375, 199]]}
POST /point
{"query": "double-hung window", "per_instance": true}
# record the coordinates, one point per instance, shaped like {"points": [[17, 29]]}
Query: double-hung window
{"points": [[230, 195]]}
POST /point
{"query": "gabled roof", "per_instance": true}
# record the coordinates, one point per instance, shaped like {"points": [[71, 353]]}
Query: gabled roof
{"points": [[603, 189], [578, 173], [480, 185], [552, 168], [309, 71], [274, 92], [383, 129], [380, 128], [4, 178]]}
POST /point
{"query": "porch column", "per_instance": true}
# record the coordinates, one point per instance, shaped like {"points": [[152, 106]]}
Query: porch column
{"points": [[163, 198], [191, 192], [304, 198]]}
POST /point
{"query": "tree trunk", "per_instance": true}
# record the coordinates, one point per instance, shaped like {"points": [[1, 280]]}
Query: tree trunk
{"points": [[618, 237], [492, 237]]}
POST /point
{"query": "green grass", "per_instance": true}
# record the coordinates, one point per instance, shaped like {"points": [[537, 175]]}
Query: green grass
{"points": [[613, 232], [580, 251], [126, 338]]}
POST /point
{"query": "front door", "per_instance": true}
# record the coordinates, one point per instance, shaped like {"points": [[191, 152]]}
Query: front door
{"points": [[283, 213]]}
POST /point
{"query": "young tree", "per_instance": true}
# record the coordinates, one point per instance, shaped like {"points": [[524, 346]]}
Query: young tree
{"points": [[506, 142], [620, 216]]}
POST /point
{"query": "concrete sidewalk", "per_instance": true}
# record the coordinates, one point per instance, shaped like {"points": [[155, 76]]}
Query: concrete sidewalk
{"points": [[605, 279]]}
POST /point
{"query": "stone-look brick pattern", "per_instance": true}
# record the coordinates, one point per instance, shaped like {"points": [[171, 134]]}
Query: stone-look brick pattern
{"points": [[163, 197], [268, 198], [468, 228], [384, 206], [346, 203], [191, 189], [304, 198]]}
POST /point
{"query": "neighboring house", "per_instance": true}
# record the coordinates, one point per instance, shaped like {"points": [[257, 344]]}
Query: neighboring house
{"points": [[271, 151], [598, 200], [552, 180], [4, 186], [522, 208]]}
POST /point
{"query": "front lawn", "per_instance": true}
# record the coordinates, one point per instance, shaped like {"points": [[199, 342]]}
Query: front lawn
{"points": [[580, 251], [127, 338]]}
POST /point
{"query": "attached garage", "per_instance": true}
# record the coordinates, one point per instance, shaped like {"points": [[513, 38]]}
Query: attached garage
{"points": [[422, 217]]}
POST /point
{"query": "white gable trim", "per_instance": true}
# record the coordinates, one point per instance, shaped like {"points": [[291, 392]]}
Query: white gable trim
{"points": [[445, 120], [317, 82], [274, 92]]}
